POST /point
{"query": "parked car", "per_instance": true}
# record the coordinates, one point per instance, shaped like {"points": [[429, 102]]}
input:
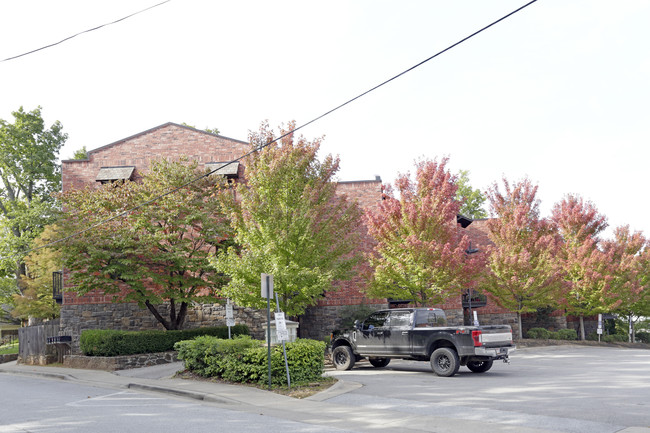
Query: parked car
{"points": [[421, 334]]}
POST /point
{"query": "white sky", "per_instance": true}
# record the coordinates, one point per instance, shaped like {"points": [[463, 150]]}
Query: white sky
{"points": [[559, 92]]}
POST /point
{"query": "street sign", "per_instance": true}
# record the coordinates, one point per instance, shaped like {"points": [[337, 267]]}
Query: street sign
{"points": [[282, 333], [599, 331], [267, 286], [230, 322], [229, 311]]}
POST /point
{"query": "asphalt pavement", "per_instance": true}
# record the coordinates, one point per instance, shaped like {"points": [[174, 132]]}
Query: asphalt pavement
{"points": [[314, 410]]}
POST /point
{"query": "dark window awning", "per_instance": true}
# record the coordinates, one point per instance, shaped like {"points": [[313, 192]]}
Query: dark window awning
{"points": [[109, 174], [230, 170]]}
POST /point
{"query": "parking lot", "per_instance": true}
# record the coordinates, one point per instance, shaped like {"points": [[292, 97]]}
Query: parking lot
{"points": [[558, 388]]}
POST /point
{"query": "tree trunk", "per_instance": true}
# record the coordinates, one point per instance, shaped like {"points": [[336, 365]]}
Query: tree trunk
{"points": [[582, 327], [520, 331]]}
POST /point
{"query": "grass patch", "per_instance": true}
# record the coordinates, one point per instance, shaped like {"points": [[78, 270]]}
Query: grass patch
{"points": [[9, 349]]}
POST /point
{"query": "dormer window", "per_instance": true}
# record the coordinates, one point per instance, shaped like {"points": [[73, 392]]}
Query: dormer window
{"points": [[229, 170], [114, 174]]}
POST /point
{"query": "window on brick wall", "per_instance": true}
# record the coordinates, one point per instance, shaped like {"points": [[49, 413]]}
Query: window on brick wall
{"points": [[115, 174]]}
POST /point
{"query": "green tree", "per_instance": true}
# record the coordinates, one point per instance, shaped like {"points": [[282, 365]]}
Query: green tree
{"points": [[214, 131], [80, 154], [420, 252], [154, 254], [523, 274], [472, 199], [291, 223], [36, 301], [29, 174]]}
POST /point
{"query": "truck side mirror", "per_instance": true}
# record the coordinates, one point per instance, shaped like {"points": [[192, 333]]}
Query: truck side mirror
{"points": [[357, 325]]}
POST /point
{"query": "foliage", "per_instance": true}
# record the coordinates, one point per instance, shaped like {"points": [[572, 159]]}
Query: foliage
{"points": [[472, 199], [545, 334], [522, 275], [37, 301], [586, 270], [9, 349], [349, 313], [420, 252], [80, 153], [109, 342], [539, 333], [29, 174], [246, 360], [614, 338], [291, 223], [565, 334], [643, 337], [155, 253], [214, 131]]}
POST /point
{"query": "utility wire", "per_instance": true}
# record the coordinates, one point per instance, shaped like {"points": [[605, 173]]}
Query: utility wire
{"points": [[257, 149], [85, 31]]}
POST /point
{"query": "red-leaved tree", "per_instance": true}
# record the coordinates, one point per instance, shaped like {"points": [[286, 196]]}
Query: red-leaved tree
{"points": [[420, 253], [587, 271], [522, 273], [627, 251]]}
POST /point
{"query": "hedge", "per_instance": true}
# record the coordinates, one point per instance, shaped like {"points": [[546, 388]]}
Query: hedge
{"points": [[108, 342], [545, 334], [245, 360]]}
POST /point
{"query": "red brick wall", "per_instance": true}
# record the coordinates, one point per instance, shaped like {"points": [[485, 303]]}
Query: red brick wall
{"points": [[170, 141]]}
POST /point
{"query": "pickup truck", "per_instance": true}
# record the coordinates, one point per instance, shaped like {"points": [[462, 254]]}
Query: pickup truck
{"points": [[421, 334]]}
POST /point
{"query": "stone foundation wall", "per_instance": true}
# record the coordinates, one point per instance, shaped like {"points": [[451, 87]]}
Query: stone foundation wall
{"points": [[76, 318], [8, 358], [112, 363]]}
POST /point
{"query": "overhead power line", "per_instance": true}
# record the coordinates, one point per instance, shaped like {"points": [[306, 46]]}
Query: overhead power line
{"points": [[85, 31], [257, 149]]}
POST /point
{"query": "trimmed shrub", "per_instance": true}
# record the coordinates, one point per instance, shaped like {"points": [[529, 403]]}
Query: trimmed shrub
{"points": [[108, 342], [245, 360], [566, 334], [615, 338], [539, 333], [643, 337]]}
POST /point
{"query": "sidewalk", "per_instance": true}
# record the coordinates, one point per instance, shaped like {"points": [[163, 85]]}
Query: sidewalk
{"points": [[312, 410]]}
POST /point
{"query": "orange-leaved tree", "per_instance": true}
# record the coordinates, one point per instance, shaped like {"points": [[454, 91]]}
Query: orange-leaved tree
{"points": [[587, 271], [421, 252], [523, 274]]}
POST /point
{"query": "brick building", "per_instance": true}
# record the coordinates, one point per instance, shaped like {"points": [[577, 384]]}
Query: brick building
{"points": [[129, 158]]}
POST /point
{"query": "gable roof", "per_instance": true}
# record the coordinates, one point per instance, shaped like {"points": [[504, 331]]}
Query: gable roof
{"points": [[149, 131]]}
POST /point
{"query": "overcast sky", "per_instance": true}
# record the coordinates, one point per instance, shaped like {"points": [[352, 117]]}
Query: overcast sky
{"points": [[558, 92]]}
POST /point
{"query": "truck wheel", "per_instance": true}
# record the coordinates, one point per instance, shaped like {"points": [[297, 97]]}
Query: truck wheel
{"points": [[343, 358], [480, 366], [379, 362], [445, 362]]}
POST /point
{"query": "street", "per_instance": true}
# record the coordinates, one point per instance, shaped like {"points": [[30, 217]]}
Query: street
{"points": [[561, 388], [41, 405], [572, 389]]}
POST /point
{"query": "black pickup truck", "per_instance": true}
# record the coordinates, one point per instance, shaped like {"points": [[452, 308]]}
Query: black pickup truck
{"points": [[421, 334]]}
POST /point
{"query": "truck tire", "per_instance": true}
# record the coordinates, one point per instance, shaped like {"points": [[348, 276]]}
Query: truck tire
{"points": [[445, 362], [379, 362], [343, 358], [480, 366]]}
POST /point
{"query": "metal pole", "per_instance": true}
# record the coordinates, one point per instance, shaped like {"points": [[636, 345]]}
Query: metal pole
{"points": [[284, 348], [268, 324]]}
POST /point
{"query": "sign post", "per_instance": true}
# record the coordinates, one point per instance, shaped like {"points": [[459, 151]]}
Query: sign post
{"points": [[599, 331], [267, 292], [282, 334], [230, 317]]}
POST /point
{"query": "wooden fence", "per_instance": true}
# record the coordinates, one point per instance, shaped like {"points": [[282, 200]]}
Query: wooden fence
{"points": [[33, 347]]}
